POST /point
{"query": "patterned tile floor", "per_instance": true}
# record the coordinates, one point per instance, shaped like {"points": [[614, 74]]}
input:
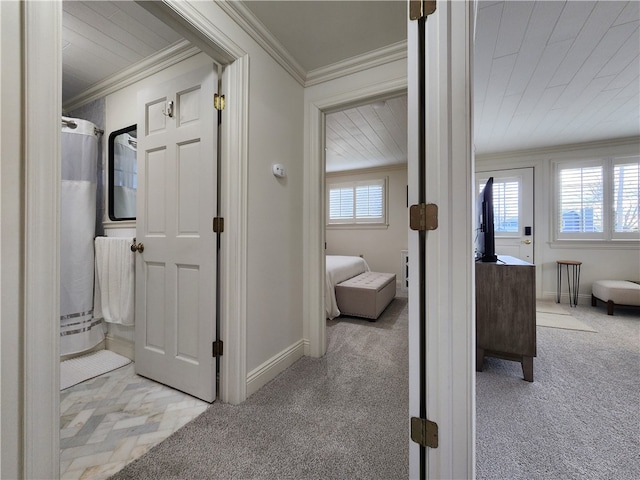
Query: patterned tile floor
{"points": [[111, 420]]}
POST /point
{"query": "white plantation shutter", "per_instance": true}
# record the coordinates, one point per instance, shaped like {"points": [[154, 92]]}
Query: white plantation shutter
{"points": [[369, 201], [580, 200], [341, 203], [626, 185], [361, 202], [506, 206]]}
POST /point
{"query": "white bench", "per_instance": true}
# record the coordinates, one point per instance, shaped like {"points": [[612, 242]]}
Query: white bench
{"points": [[366, 295], [615, 292]]}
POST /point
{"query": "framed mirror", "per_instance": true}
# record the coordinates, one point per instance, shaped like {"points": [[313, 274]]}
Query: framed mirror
{"points": [[123, 173]]}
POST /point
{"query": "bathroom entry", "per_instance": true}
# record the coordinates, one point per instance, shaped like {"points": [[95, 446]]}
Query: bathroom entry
{"points": [[175, 244]]}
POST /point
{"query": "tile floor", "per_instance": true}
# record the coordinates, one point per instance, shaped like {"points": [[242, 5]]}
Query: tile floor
{"points": [[111, 420]]}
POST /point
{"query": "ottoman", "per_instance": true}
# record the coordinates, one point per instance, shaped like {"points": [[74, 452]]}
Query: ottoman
{"points": [[366, 295], [615, 292]]}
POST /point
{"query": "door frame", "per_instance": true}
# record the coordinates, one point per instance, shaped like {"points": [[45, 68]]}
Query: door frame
{"points": [[314, 271], [38, 456]]}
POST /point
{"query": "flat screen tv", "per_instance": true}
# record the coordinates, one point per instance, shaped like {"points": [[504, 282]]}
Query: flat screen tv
{"points": [[485, 238]]}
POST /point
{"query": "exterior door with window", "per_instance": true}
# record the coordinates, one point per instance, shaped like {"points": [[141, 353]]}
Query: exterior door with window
{"points": [[512, 211], [176, 270]]}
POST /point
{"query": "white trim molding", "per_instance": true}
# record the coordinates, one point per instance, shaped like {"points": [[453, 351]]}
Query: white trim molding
{"points": [[374, 58], [314, 204], [253, 27], [263, 374], [449, 292], [171, 55], [42, 62]]}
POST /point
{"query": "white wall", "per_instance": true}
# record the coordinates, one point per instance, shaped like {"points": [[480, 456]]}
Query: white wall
{"points": [[605, 260], [379, 246], [11, 239]]}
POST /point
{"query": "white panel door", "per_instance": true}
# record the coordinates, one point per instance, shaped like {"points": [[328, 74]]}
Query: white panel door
{"points": [[175, 273], [512, 211]]}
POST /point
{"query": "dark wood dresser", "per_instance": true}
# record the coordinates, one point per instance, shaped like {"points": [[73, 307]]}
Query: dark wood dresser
{"points": [[506, 312]]}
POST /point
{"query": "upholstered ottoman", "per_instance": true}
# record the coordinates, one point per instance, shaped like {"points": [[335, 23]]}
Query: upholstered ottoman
{"points": [[366, 295], [615, 292]]}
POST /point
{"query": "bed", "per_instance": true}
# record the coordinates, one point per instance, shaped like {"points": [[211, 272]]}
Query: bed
{"points": [[340, 268]]}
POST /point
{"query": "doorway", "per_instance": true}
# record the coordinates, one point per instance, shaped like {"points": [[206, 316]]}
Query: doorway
{"points": [[513, 211], [41, 403]]}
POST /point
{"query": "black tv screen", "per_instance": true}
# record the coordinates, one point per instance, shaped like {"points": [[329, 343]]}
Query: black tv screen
{"points": [[485, 239]]}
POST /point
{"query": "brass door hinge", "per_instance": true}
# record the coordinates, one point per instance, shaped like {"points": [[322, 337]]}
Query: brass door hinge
{"points": [[423, 216], [218, 224], [218, 102], [217, 348], [421, 8], [424, 432]]}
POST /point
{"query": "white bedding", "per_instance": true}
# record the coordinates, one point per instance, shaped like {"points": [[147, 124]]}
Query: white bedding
{"points": [[339, 269]]}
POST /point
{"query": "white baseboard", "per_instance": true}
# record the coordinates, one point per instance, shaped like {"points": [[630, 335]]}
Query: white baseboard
{"points": [[120, 346], [583, 299], [270, 369]]}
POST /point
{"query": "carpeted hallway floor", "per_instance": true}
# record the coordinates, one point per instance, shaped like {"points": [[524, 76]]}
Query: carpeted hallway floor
{"points": [[344, 416]]}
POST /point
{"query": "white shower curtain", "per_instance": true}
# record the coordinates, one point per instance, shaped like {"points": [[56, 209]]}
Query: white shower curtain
{"points": [[79, 331]]}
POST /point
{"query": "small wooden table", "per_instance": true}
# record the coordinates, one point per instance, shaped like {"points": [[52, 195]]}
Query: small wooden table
{"points": [[573, 280]]}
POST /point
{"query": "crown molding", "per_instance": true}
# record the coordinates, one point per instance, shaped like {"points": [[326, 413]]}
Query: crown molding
{"points": [[171, 55], [263, 37], [609, 143], [374, 58], [256, 30]]}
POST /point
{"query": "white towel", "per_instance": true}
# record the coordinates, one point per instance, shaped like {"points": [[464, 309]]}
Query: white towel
{"points": [[115, 280]]}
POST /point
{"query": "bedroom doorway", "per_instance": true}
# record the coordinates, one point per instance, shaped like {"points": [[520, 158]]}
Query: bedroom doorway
{"points": [[365, 201]]}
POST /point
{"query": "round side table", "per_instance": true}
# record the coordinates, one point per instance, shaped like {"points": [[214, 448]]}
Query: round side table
{"points": [[573, 280]]}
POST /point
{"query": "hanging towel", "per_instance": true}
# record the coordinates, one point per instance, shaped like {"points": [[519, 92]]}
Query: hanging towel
{"points": [[115, 280]]}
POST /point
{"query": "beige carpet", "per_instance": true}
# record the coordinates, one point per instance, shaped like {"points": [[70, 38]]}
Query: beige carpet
{"points": [[554, 315]]}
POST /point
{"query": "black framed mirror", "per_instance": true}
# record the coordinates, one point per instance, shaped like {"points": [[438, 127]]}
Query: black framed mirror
{"points": [[123, 173]]}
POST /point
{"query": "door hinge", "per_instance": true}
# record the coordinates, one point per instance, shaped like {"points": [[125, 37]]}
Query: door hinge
{"points": [[424, 432], [218, 224], [218, 102], [421, 8], [423, 216], [216, 350]]}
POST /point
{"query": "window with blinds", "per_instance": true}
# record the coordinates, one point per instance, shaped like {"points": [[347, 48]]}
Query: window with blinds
{"points": [[361, 202], [598, 200], [506, 205], [581, 199], [626, 185]]}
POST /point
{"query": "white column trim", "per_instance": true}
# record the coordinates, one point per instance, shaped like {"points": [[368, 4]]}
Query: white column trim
{"points": [[449, 289], [42, 29], [314, 208], [235, 141]]}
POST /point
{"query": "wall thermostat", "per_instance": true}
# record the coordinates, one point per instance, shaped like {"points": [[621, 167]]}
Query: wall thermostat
{"points": [[278, 170]]}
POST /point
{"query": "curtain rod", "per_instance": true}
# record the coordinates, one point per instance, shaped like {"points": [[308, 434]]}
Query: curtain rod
{"points": [[73, 125]]}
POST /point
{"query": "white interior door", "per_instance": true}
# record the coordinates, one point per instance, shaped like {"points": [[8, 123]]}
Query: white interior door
{"points": [[175, 273], [512, 211]]}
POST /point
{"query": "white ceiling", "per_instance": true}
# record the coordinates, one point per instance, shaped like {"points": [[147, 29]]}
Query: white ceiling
{"points": [[546, 73], [100, 39]]}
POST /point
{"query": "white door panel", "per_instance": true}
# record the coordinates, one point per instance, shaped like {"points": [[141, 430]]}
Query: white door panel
{"points": [[175, 288], [512, 236]]}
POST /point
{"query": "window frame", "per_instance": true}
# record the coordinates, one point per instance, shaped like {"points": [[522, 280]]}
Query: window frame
{"points": [[354, 221], [608, 234]]}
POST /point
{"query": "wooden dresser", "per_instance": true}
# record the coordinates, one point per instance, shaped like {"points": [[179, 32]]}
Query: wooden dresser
{"points": [[506, 312]]}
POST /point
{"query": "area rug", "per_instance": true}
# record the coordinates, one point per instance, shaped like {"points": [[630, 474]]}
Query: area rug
{"points": [[77, 370], [550, 306], [566, 321]]}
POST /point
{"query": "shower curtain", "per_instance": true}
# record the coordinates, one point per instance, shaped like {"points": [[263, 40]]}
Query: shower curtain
{"points": [[79, 331]]}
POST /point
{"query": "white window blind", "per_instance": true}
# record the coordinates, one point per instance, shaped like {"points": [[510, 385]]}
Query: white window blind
{"points": [[580, 200], [361, 202], [626, 185], [506, 206]]}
